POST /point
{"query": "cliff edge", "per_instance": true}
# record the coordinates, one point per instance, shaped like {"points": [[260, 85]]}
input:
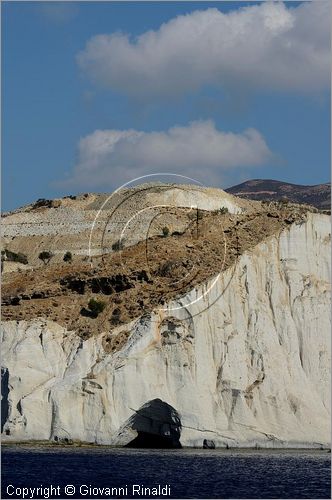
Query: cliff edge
{"points": [[237, 356]]}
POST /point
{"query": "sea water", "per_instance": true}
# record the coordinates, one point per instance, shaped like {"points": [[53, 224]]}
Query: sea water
{"points": [[101, 472]]}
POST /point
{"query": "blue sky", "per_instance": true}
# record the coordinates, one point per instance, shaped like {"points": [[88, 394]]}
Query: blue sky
{"points": [[175, 100]]}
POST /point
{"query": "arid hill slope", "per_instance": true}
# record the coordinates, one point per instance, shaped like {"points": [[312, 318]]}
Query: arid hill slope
{"points": [[90, 224], [137, 279], [265, 189]]}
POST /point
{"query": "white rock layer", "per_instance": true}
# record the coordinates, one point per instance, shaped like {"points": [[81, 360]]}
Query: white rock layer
{"points": [[245, 364]]}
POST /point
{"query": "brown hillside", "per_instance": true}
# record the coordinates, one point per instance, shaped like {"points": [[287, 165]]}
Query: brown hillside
{"points": [[142, 277]]}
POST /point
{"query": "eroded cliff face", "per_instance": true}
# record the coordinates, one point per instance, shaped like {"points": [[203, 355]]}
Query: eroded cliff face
{"points": [[244, 359]]}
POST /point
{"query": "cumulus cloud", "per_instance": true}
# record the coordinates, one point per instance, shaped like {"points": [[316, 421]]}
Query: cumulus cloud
{"points": [[111, 157], [265, 46]]}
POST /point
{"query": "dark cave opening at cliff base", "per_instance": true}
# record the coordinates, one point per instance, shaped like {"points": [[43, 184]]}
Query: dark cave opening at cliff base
{"points": [[158, 425], [147, 440]]}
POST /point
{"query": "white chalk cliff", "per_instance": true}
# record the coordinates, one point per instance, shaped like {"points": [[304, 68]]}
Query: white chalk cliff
{"points": [[244, 362]]}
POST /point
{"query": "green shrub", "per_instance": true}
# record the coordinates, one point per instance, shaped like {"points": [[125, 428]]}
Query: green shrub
{"points": [[45, 256], [223, 210], [165, 231], [42, 202], [284, 201], [118, 245], [96, 307], [68, 257], [14, 257]]}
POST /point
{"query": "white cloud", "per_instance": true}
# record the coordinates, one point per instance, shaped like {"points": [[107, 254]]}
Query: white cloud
{"points": [[265, 46], [111, 157]]}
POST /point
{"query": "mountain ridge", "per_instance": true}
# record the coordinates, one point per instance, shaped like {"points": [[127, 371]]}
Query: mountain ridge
{"points": [[317, 195]]}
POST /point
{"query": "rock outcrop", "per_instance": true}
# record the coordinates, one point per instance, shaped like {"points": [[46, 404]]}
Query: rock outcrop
{"points": [[242, 359]]}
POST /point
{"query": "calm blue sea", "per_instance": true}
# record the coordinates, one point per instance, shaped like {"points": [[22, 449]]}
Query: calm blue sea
{"points": [[181, 473]]}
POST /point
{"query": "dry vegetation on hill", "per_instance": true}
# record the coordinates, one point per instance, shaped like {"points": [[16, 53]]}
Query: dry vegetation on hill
{"points": [[142, 277]]}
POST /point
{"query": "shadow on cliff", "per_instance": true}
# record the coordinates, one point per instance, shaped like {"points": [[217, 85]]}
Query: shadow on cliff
{"points": [[158, 426], [4, 396]]}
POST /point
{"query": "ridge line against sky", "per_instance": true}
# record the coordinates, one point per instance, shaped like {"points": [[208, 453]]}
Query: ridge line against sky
{"points": [[117, 91]]}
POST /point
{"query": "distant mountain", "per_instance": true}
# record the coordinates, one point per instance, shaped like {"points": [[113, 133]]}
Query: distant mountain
{"points": [[265, 189]]}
